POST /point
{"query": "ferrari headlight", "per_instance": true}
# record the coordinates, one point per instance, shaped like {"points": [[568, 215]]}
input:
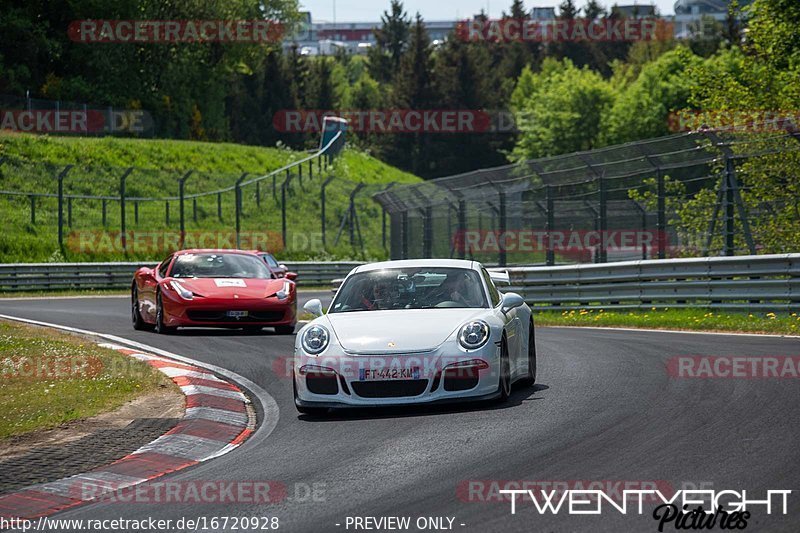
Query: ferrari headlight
{"points": [[315, 340], [473, 334], [185, 293], [284, 292]]}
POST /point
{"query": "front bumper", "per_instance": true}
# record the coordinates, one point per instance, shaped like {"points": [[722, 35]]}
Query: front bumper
{"points": [[213, 312], [343, 380]]}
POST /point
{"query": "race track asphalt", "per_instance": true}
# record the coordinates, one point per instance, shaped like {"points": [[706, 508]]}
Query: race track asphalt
{"points": [[604, 409]]}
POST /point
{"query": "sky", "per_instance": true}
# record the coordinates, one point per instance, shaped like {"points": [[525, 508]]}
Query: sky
{"points": [[371, 10]]}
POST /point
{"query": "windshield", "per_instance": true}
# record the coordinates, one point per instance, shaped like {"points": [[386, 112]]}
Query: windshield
{"points": [[220, 266], [410, 288]]}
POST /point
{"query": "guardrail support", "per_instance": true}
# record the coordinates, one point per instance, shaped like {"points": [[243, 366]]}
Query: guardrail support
{"points": [[123, 237], [60, 178], [181, 192], [237, 188]]}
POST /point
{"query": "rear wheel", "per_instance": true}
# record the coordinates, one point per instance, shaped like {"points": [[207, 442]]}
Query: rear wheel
{"points": [[160, 327], [136, 316], [530, 377], [504, 386]]}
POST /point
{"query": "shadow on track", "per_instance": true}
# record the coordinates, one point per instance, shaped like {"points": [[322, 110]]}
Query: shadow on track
{"points": [[376, 413]]}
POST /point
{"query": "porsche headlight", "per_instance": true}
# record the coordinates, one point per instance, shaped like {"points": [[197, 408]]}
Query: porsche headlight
{"points": [[473, 334], [315, 340]]}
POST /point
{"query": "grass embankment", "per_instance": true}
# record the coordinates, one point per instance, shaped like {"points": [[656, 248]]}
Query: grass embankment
{"points": [[676, 319], [34, 160], [49, 378]]}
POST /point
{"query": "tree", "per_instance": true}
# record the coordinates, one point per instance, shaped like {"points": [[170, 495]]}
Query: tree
{"points": [[391, 41], [564, 106], [593, 10]]}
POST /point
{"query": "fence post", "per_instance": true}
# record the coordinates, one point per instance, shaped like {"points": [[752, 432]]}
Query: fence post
{"points": [[33, 209], [601, 182], [105, 212], [661, 224], [166, 212], [258, 194], [194, 210], [462, 229], [219, 206], [181, 189], [69, 213], [404, 233], [322, 205], [427, 235], [136, 212], [283, 210], [310, 169], [238, 206], [122, 236], [503, 226], [383, 217], [550, 258]]}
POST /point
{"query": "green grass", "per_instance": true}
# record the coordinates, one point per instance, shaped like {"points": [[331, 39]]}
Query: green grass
{"points": [[676, 319], [33, 161], [82, 379]]}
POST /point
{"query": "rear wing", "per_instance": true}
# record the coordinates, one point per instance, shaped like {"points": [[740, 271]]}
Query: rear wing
{"points": [[500, 276]]}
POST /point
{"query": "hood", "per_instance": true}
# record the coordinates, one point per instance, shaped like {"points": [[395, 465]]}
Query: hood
{"points": [[228, 287], [417, 330]]}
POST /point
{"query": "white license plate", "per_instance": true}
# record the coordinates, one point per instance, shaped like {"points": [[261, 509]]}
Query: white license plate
{"points": [[387, 374], [238, 314]]}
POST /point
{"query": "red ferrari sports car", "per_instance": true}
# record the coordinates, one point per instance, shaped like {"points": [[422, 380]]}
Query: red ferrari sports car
{"points": [[216, 288]]}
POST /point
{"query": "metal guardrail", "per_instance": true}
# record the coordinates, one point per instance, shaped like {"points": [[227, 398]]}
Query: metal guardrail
{"points": [[760, 282], [92, 276]]}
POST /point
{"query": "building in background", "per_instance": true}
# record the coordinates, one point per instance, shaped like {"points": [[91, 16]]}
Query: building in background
{"points": [[689, 14]]}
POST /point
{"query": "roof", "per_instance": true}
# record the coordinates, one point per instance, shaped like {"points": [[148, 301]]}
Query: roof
{"points": [[412, 263]]}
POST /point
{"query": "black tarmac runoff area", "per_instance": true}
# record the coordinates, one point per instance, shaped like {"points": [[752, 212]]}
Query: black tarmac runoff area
{"points": [[605, 409]]}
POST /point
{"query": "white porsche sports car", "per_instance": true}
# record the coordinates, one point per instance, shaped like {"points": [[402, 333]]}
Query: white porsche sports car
{"points": [[414, 331]]}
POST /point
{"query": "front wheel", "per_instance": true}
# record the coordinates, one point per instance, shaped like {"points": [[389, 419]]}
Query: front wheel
{"points": [[530, 377], [136, 316], [504, 385], [160, 326]]}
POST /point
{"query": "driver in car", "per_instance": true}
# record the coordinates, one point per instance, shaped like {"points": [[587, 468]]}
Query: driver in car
{"points": [[379, 299], [454, 289]]}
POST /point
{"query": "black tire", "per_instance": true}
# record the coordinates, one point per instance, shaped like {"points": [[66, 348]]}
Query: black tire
{"points": [[160, 327], [504, 385], [136, 316], [284, 330], [530, 378], [313, 411]]}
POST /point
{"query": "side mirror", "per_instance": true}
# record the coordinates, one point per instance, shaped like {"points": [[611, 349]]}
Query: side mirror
{"points": [[291, 276], [314, 307], [511, 300]]}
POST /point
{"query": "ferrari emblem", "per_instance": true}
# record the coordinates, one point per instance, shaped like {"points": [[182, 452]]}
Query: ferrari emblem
{"points": [[392, 345], [235, 296]]}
